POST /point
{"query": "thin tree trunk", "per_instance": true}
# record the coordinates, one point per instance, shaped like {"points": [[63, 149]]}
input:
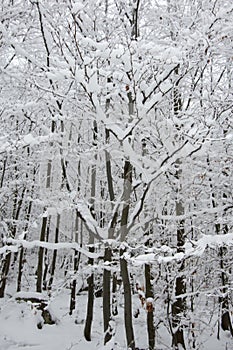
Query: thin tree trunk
{"points": [[22, 251], [179, 306], [16, 211], [127, 302], [20, 270], [6, 264], [46, 258], [114, 291], [54, 259], [150, 314], [5, 270], [123, 263], [39, 272], [90, 280], [226, 323], [127, 189], [108, 254], [107, 296], [90, 302], [27, 218], [77, 256], [3, 172]]}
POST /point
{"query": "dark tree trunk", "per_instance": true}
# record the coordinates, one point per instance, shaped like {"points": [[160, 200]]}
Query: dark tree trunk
{"points": [[179, 306], [108, 251], [6, 264], [46, 268], [90, 280], [114, 298], [107, 297], [46, 258], [226, 322], [90, 302], [77, 256], [150, 314], [178, 339], [54, 259], [72, 295], [20, 271], [127, 302], [39, 271], [22, 251], [5, 270], [123, 263]]}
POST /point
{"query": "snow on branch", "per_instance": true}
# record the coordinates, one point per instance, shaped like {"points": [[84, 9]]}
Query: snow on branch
{"points": [[90, 222], [13, 245], [191, 249]]}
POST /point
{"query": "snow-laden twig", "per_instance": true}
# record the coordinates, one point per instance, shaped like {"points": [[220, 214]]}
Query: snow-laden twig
{"points": [[14, 245]]}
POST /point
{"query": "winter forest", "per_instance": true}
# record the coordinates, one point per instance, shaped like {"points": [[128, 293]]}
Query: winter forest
{"points": [[116, 174]]}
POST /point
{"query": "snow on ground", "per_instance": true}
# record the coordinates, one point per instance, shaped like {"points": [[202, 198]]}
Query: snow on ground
{"points": [[19, 330]]}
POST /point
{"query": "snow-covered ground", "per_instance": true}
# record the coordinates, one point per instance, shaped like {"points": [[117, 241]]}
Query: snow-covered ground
{"points": [[19, 330]]}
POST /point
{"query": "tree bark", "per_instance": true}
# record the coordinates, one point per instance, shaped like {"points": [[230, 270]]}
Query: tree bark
{"points": [[127, 302], [108, 253], [17, 206], [22, 251], [179, 306], [39, 271], [90, 302], [5, 270], [77, 256], [54, 259], [123, 263], [150, 315], [107, 296], [90, 280]]}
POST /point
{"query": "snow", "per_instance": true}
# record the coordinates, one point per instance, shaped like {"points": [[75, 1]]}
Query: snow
{"points": [[144, 258], [19, 330], [30, 295], [193, 248], [93, 85], [77, 7], [88, 218], [17, 243], [19, 327], [29, 139]]}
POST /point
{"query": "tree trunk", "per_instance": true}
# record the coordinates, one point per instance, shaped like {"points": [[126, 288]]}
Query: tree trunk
{"points": [[6, 264], [90, 280], [226, 322], [150, 314], [107, 296], [77, 256], [39, 271], [90, 302], [22, 251], [5, 270], [114, 291], [179, 306], [123, 263], [46, 258], [54, 259], [108, 253], [127, 302]]}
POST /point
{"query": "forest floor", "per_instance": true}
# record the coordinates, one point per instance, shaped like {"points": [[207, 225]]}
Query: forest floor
{"points": [[18, 328]]}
